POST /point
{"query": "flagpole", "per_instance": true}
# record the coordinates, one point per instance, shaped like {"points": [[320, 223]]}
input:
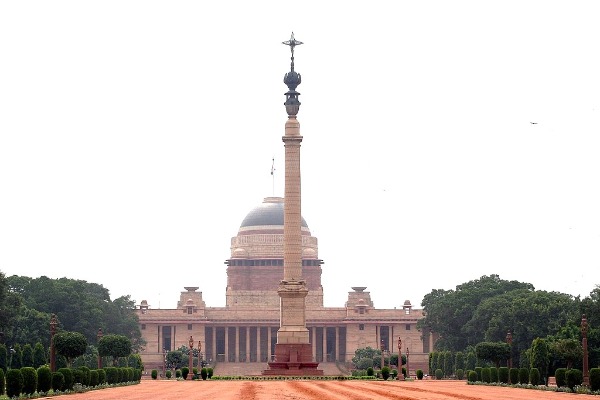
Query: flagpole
{"points": [[273, 175]]}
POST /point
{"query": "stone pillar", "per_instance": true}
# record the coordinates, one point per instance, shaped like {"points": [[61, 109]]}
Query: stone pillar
{"points": [[226, 344], [269, 339], [314, 342], [213, 331], [325, 343], [238, 355], [258, 353], [337, 343], [248, 351]]}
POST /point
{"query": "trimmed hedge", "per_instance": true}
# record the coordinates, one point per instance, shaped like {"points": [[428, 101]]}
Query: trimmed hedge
{"points": [[493, 374], [534, 376], [523, 376], [58, 381], [93, 378], [439, 374], [561, 377], [44, 379], [2, 382], [574, 377], [595, 379], [30, 380], [503, 374], [419, 374], [154, 374], [472, 376], [112, 375], [514, 375], [14, 383], [69, 378], [101, 376], [486, 375]]}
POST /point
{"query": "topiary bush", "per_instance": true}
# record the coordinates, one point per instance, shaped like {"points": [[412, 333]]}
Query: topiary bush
{"points": [[419, 374], [29, 380], [472, 376], [503, 374], [44, 379], [370, 371], [513, 375], [534, 376], [595, 379], [154, 374], [478, 371], [486, 375], [493, 374], [460, 374], [69, 379], [523, 376], [177, 373], [574, 378], [185, 371], [101, 376], [561, 377], [203, 373], [439, 373], [209, 372], [168, 374], [78, 376], [93, 378], [112, 375], [2, 382], [14, 383], [58, 381], [86, 375], [385, 373]]}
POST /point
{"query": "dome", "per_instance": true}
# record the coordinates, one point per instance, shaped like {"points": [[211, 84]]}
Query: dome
{"points": [[270, 212]]}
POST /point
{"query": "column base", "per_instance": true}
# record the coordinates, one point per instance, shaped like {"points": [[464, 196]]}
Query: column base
{"points": [[293, 360]]}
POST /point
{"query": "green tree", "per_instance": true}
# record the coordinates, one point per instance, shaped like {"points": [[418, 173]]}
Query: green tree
{"points": [[3, 357], [471, 361], [459, 360], [362, 354], [16, 359], [114, 346], [70, 345], [27, 355], [569, 350], [540, 357], [493, 351], [39, 355], [174, 359]]}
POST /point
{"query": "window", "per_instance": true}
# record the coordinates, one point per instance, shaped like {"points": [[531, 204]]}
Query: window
{"points": [[189, 327], [408, 327], [361, 327], [143, 326], [407, 311], [190, 310]]}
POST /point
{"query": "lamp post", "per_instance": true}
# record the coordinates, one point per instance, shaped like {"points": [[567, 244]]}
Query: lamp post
{"points": [[400, 374], [191, 357], [98, 338], [53, 324], [200, 354], [407, 369], [584, 330], [382, 349]]}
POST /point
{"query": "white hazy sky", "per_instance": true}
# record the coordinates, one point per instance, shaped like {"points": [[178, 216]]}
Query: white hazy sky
{"points": [[136, 135]]}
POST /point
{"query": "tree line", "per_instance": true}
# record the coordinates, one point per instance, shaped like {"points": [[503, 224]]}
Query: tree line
{"points": [[27, 304], [495, 311]]}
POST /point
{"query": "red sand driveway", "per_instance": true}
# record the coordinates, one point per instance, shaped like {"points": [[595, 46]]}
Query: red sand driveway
{"points": [[317, 390]]}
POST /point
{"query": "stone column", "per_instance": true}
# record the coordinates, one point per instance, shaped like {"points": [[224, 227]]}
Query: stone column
{"points": [[258, 353], [337, 343], [269, 339], [226, 344], [314, 342], [238, 355], [325, 343], [213, 331], [248, 351]]}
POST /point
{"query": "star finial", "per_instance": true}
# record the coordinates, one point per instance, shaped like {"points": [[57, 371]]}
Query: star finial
{"points": [[292, 43]]}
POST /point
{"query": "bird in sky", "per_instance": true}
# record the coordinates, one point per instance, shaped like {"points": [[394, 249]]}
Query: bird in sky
{"points": [[533, 123]]}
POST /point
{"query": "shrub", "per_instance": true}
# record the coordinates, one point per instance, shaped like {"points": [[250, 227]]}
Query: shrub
{"points": [[574, 377], [478, 371], [560, 374], [493, 374], [523, 376], [595, 379], [29, 379], [44, 379], [195, 371], [486, 375], [370, 371], [514, 375], [58, 381], [93, 378], [503, 374], [534, 376], [209, 372], [203, 373], [472, 376], [154, 374], [14, 383], [439, 373], [78, 376], [101, 376], [69, 379], [419, 374], [460, 374], [394, 373], [1, 382], [168, 374], [130, 374], [177, 373], [112, 375], [385, 373], [86, 375], [185, 371]]}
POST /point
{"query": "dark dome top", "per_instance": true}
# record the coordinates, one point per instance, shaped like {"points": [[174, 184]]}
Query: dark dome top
{"points": [[270, 212]]}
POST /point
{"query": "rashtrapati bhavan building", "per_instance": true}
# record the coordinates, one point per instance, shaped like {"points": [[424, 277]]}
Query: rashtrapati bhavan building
{"points": [[245, 330]]}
